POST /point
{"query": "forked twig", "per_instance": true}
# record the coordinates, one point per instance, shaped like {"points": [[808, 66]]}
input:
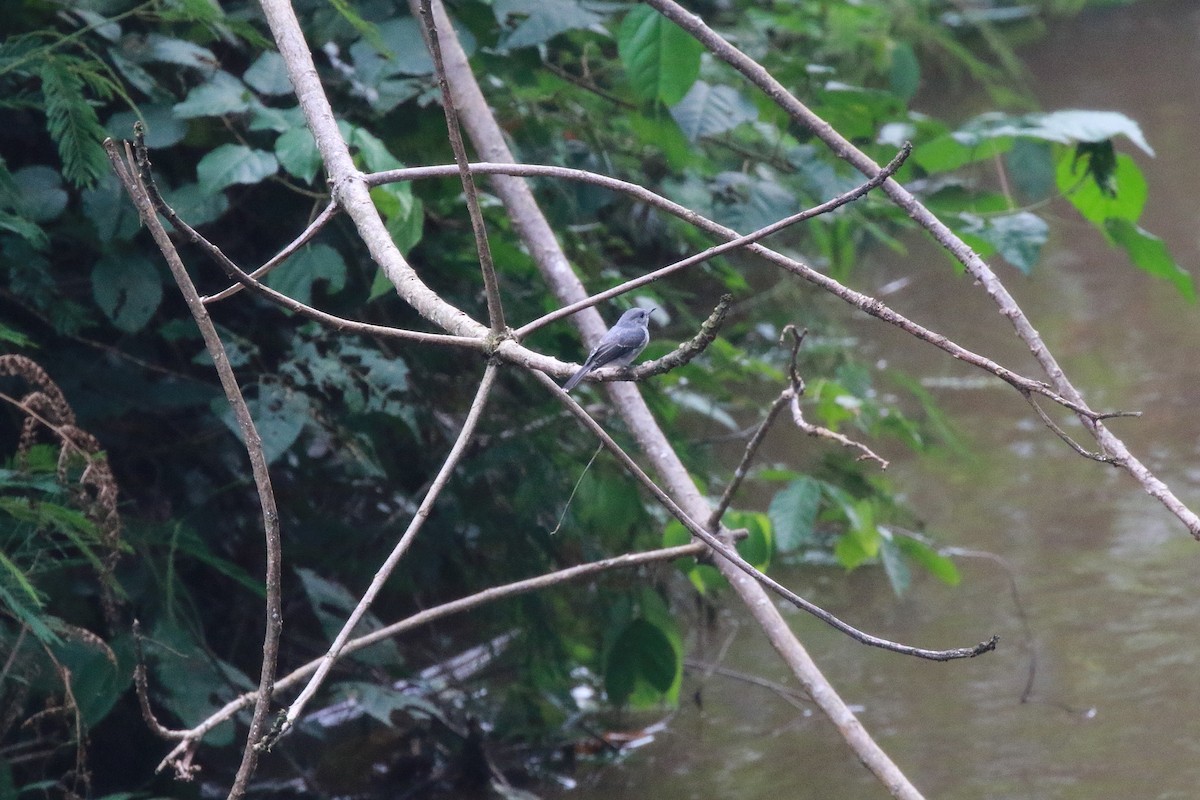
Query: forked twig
{"points": [[729, 554]]}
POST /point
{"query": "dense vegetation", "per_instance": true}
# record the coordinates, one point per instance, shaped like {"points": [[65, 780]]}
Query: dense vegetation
{"points": [[126, 493]]}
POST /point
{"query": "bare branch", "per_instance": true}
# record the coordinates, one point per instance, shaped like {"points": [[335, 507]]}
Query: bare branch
{"points": [[468, 603], [743, 467], [796, 391], [863, 302], [130, 171], [490, 284], [716, 250], [385, 570], [304, 238]]}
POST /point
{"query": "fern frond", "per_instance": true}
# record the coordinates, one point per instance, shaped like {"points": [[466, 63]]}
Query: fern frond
{"points": [[72, 123]]}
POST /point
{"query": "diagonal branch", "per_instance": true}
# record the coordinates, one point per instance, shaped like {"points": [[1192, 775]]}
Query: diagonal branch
{"points": [[724, 247], [976, 266], [130, 172], [490, 284], [385, 570], [865, 303], [283, 255], [730, 555]]}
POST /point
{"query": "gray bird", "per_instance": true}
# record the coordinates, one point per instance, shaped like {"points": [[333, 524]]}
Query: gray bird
{"points": [[619, 347]]}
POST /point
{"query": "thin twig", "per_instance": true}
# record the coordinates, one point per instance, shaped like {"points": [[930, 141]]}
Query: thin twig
{"points": [[796, 391], [134, 173], [312, 230], [141, 686], [865, 303], [385, 570], [743, 467], [731, 555], [468, 603], [716, 250], [490, 284]]}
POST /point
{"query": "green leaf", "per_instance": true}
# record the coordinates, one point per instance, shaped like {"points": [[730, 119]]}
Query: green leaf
{"points": [[181, 52], [661, 59], [195, 205], [268, 75], [279, 415], [42, 196], [793, 513], [297, 153], [708, 110], [1150, 253], [163, 128], [758, 547], [219, 95], [234, 163], [640, 652], [97, 680], [127, 289], [1099, 193], [332, 603], [904, 74], [1018, 237], [543, 20], [934, 562], [312, 263], [1070, 126], [380, 702]]}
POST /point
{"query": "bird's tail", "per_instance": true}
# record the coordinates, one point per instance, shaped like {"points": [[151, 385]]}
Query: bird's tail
{"points": [[574, 380]]}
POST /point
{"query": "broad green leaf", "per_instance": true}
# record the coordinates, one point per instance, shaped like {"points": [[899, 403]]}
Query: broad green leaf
{"points": [[127, 289], [640, 652], [97, 679], [660, 131], [1124, 199], [42, 195], [1071, 125], [758, 547], [934, 562], [952, 150], [332, 604], [176, 51], [234, 163], [793, 513], [543, 20], [219, 95], [163, 128], [279, 415], [1031, 168], [269, 75], [314, 262], [704, 405], [379, 701], [661, 59], [1017, 237], [297, 153], [195, 205], [708, 110], [1150, 253]]}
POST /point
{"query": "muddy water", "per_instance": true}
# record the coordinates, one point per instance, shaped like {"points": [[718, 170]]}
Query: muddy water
{"points": [[1106, 578]]}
